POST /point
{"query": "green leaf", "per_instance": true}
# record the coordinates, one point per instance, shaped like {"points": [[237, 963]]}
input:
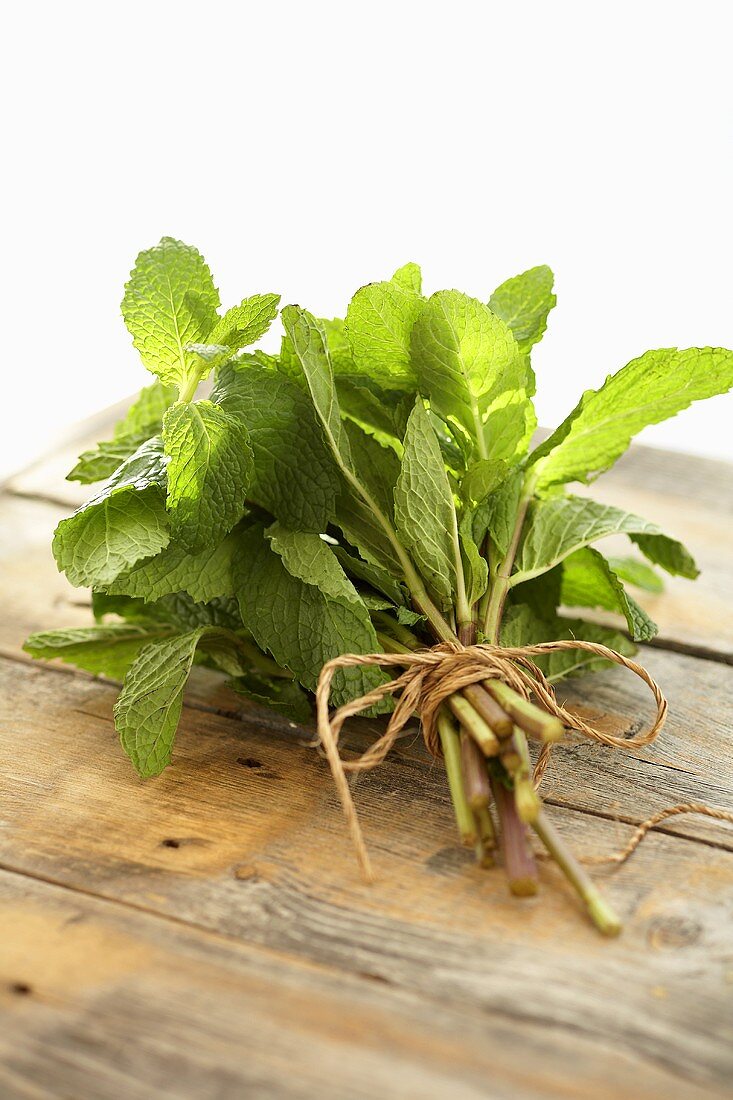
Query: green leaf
{"points": [[310, 559], [244, 324], [209, 468], [143, 419], [149, 706], [380, 579], [475, 567], [170, 301], [374, 470], [311, 350], [294, 475], [103, 650], [521, 626], [652, 388], [524, 303], [496, 515], [482, 478], [282, 695], [638, 573], [409, 277], [107, 456], [425, 516], [379, 321], [202, 576], [176, 609], [468, 361], [589, 581], [123, 523], [557, 528], [667, 553], [303, 625], [377, 411], [360, 510]]}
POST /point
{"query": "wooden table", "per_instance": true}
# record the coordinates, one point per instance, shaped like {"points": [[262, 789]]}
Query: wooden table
{"points": [[206, 934]]}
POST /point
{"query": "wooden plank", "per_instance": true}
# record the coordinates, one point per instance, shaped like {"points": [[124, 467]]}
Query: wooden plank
{"points": [[243, 835], [102, 1002]]}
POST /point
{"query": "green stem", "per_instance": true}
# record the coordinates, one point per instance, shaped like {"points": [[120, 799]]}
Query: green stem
{"points": [[534, 721], [600, 912], [474, 724], [188, 389], [452, 757], [494, 609], [397, 630], [413, 579]]}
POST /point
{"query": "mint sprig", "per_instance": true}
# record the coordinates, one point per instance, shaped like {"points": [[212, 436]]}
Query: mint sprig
{"points": [[369, 486]]}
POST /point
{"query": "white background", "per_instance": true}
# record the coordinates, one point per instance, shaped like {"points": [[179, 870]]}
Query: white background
{"points": [[309, 148]]}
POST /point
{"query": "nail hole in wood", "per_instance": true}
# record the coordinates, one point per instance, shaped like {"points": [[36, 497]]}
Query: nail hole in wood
{"points": [[21, 989], [171, 843]]}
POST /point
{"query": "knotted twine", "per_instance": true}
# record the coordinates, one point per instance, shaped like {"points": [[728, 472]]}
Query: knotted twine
{"points": [[430, 676]]}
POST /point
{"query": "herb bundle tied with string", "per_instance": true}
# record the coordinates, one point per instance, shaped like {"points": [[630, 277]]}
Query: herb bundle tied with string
{"points": [[365, 504]]}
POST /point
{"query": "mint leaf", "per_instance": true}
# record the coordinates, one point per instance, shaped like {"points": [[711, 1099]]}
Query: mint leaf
{"points": [[425, 516], [143, 420], [376, 410], [302, 625], [282, 695], [524, 303], [468, 361], [149, 706], [310, 348], [308, 558], [170, 301], [652, 388], [294, 475], [123, 523], [203, 576], [244, 324], [557, 528], [379, 579], [374, 471], [209, 467], [409, 277], [103, 650], [475, 567], [667, 553], [379, 321], [589, 581], [482, 478], [638, 573], [521, 626], [496, 514]]}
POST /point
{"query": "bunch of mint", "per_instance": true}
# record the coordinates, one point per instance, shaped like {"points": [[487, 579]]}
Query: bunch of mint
{"points": [[370, 487]]}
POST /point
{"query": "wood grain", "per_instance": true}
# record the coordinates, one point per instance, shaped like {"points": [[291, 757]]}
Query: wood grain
{"points": [[100, 1001], [243, 836]]}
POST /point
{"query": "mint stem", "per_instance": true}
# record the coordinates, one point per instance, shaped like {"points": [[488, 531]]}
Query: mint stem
{"points": [[538, 723], [474, 724], [600, 912], [500, 584], [475, 776], [489, 709], [452, 758], [521, 868]]}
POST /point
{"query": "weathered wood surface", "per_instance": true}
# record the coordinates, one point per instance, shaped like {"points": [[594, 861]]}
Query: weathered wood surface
{"points": [[206, 933]]}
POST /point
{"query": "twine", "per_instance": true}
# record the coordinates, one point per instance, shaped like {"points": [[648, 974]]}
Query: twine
{"points": [[430, 676]]}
